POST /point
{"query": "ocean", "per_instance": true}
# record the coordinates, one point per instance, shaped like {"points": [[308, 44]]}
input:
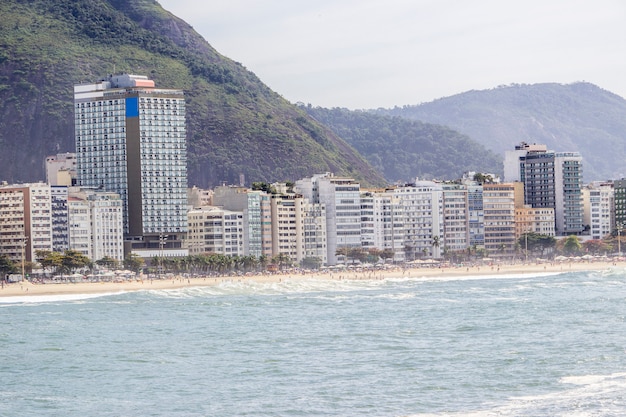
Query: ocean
{"points": [[516, 345]]}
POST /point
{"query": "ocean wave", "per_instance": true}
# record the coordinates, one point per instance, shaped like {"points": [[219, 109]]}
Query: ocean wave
{"points": [[53, 298], [592, 395]]}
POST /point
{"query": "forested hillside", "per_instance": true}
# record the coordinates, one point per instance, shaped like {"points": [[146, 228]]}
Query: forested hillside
{"points": [[403, 149], [575, 117], [235, 124]]}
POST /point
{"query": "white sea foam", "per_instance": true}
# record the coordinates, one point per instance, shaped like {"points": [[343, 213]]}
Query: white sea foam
{"points": [[592, 395], [289, 286], [52, 298]]}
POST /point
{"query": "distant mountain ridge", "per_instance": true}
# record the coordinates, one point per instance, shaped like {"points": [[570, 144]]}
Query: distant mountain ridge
{"points": [[572, 117], [405, 149], [236, 125]]}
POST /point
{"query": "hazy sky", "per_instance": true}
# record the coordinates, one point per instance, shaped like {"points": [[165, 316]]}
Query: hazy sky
{"points": [[381, 53]]}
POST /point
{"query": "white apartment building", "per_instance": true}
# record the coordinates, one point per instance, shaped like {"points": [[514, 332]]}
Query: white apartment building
{"points": [[341, 198], [311, 227], [422, 204], [79, 220], [107, 225], [215, 230], [599, 200], [250, 203], [284, 226], [88, 221], [382, 223], [298, 228], [455, 217]]}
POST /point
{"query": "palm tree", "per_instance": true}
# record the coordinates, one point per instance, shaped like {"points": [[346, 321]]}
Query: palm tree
{"points": [[282, 259], [343, 251], [435, 243], [263, 261]]}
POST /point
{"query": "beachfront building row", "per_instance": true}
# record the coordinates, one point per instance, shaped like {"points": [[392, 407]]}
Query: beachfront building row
{"points": [[38, 216], [250, 222], [420, 220], [324, 214]]}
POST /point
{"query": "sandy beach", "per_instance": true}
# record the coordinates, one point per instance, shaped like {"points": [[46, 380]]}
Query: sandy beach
{"points": [[31, 289]]}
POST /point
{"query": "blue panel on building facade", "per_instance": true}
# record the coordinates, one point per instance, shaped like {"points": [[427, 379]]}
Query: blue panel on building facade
{"points": [[132, 107]]}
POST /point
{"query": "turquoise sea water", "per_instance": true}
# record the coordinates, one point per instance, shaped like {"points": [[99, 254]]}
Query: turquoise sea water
{"points": [[526, 345]]}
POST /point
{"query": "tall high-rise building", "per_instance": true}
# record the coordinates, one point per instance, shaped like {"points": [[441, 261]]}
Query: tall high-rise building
{"points": [[551, 180], [130, 139]]}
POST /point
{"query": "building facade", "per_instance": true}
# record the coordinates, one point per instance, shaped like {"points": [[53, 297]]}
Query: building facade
{"points": [[60, 221], [79, 219], [25, 220], [599, 214], [534, 220], [250, 203], [61, 169], [382, 223], [215, 230], [455, 217], [476, 216], [551, 180], [422, 204], [105, 222], [130, 139], [499, 203], [341, 198], [619, 204]]}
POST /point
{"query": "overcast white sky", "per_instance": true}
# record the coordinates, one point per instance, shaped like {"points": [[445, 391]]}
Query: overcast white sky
{"points": [[381, 53]]}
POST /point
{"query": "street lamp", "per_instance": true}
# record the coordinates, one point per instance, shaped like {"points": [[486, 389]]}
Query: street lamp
{"points": [[526, 243], [24, 240], [619, 239], [162, 242]]}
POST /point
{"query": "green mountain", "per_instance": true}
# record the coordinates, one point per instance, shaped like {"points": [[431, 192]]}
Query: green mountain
{"points": [[403, 149], [575, 117], [236, 125]]}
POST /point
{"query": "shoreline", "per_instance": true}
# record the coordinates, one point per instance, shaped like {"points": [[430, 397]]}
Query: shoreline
{"points": [[21, 289]]}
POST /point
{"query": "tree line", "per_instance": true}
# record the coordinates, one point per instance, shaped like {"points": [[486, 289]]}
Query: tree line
{"points": [[530, 244]]}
